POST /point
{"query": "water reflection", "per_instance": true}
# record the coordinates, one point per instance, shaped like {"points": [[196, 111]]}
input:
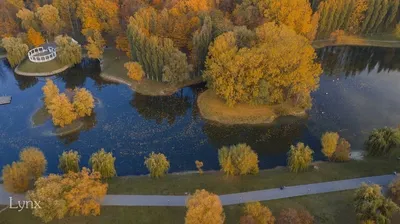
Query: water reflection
{"points": [[25, 82], [88, 123], [353, 60]]}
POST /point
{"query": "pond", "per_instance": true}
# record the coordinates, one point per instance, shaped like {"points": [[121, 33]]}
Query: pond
{"points": [[358, 92]]}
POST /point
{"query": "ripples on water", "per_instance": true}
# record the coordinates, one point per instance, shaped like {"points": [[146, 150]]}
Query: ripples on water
{"points": [[358, 92]]}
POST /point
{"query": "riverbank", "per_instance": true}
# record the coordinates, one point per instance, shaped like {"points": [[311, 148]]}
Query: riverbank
{"points": [[213, 108], [114, 71], [372, 41]]}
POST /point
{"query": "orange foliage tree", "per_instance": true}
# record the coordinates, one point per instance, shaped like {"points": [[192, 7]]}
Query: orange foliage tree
{"points": [[257, 213], [294, 216], [16, 177], [50, 19], [50, 90], [83, 102], [62, 110], [135, 70], [35, 38], [204, 207]]}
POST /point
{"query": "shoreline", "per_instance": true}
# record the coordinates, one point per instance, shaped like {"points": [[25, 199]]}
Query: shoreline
{"points": [[355, 41]]}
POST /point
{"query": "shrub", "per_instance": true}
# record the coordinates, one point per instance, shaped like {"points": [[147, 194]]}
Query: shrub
{"points": [[103, 163], [342, 152], [16, 177], [71, 194], [329, 142], [293, 216], [50, 90], [394, 188], [62, 110], [371, 205], [135, 70], [35, 161], [382, 141], [259, 213], [204, 207], [157, 164], [199, 165], [299, 157], [69, 161], [68, 52], [83, 102], [238, 159]]}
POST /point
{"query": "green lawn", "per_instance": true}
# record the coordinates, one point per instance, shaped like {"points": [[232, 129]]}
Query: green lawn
{"points": [[45, 67], [216, 182], [326, 208]]}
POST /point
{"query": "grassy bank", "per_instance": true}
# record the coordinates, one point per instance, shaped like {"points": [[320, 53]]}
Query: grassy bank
{"points": [[114, 70], [381, 40], [27, 66], [327, 208], [213, 108]]}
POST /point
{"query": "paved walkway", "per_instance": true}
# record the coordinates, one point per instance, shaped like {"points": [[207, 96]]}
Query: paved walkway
{"points": [[231, 199]]}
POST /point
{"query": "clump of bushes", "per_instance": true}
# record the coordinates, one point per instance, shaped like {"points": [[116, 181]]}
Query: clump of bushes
{"points": [[69, 161], [382, 141], [157, 164], [335, 148], [256, 213], [238, 159], [299, 157], [103, 163]]}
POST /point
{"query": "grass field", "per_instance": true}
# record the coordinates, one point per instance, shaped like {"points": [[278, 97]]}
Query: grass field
{"points": [[326, 208], [46, 67]]}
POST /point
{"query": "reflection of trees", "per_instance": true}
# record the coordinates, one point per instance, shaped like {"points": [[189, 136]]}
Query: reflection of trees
{"points": [[159, 108], [353, 60], [89, 122], [25, 82], [271, 139]]}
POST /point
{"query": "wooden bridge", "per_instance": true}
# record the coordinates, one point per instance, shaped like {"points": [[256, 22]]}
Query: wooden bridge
{"points": [[5, 100]]}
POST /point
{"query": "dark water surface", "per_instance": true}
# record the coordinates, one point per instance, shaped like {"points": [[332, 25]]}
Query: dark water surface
{"points": [[358, 92]]}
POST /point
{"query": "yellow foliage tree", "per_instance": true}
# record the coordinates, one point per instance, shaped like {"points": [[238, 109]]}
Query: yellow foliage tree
{"points": [[199, 165], [98, 15], [83, 102], [238, 159], [204, 207], [16, 177], [16, 50], [95, 46], [69, 161], [71, 194], [28, 19], [258, 213], [50, 19], [50, 90], [35, 160], [329, 142], [157, 164], [299, 157], [104, 163], [122, 44], [62, 110], [135, 70], [35, 38], [357, 16]]}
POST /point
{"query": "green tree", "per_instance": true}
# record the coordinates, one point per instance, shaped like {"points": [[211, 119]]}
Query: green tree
{"points": [[329, 142], [35, 160], [371, 205], [299, 157], [68, 52], [382, 141], [157, 164], [16, 177], [103, 163], [69, 161], [16, 50], [258, 213], [238, 159], [201, 40], [204, 207]]}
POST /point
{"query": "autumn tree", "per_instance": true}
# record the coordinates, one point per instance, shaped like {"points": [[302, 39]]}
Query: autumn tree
{"points": [[95, 46], [247, 14], [16, 50], [329, 142], [245, 74], [122, 44], [238, 159], [299, 157], [294, 216], [342, 152], [50, 90], [371, 205], [103, 163], [135, 71], [258, 213], [357, 16], [35, 38], [204, 207], [72, 194], [8, 24], [67, 10], [28, 19], [201, 40], [69, 161], [199, 165], [157, 164], [61, 110], [49, 19], [382, 141], [35, 160], [68, 52], [16, 177], [83, 102]]}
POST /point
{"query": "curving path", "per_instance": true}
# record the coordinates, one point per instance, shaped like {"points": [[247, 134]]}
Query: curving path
{"points": [[231, 199]]}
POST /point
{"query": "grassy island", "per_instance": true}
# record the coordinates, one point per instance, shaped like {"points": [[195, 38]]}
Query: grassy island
{"points": [[213, 108], [28, 68]]}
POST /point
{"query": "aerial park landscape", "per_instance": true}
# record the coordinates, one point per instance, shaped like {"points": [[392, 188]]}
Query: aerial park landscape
{"points": [[200, 111]]}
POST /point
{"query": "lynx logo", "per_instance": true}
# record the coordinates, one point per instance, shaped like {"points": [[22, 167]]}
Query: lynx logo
{"points": [[24, 204]]}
